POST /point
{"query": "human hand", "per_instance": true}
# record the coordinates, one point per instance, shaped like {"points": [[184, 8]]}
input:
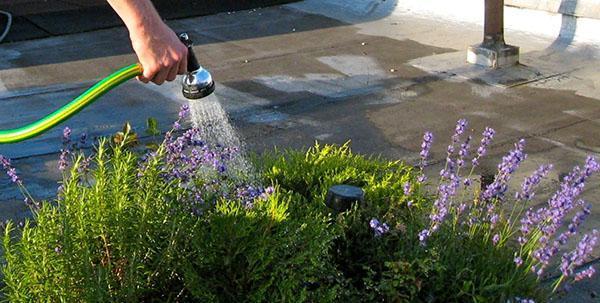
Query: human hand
{"points": [[159, 51]]}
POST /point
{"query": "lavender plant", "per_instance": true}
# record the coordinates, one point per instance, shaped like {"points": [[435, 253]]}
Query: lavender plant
{"points": [[131, 228], [531, 234], [174, 224]]}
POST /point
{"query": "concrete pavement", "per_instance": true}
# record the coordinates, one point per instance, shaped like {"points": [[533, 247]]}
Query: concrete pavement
{"points": [[327, 70]]}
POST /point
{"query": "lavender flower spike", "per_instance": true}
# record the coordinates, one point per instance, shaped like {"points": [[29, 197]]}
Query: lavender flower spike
{"points": [[578, 256], [461, 125], [184, 111], [423, 236], [66, 135], [63, 161], [506, 168], [407, 189], [488, 136], [518, 261], [426, 147], [531, 182], [586, 273], [464, 152], [10, 171]]}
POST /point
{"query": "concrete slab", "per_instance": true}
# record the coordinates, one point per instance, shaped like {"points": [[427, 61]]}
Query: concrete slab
{"points": [[76, 21]]}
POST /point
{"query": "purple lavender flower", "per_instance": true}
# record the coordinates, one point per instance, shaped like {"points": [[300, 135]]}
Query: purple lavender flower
{"points": [[461, 125], [446, 190], [468, 182], [407, 188], [494, 218], [84, 165], [379, 228], [518, 261], [10, 171], [184, 111], [578, 256], [495, 239], [423, 236], [464, 152], [550, 218], [531, 182], [506, 168], [585, 274], [63, 161], [450, 165], [577, 220], [425, 148], [176, 125], [488, 136], [66, 135], [248, 194]]}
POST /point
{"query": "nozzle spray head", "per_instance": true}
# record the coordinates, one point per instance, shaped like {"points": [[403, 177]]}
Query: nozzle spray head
{"points": [[197, 83]]}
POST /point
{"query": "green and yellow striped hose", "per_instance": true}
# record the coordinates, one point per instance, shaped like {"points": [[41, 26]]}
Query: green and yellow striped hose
{"points": [[88, 97]]}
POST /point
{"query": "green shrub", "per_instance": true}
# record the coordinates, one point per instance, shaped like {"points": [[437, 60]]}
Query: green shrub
{"points": [[131, 229], [395, 267], [367, 265], [265, 254]]}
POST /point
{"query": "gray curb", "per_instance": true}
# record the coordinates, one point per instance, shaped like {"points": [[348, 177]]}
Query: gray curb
{"points": [[576, 8]]}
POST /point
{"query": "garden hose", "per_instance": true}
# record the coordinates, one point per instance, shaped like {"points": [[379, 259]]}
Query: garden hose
{"points": [[67, 111]]}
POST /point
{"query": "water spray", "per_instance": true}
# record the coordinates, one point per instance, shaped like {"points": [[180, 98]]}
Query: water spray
{"points": [[197, 83]]}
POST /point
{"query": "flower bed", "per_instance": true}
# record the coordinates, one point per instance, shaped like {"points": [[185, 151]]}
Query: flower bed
{"points": [[173, 225]]}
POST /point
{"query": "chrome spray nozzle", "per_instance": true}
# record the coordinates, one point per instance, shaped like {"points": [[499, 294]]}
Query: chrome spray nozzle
{"points": [[197, 83]]}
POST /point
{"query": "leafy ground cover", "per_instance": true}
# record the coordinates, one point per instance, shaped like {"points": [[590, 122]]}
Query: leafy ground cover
{"points": [[173, 225]]}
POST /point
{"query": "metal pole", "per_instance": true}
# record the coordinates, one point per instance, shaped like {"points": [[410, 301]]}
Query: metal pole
{"points": [[494, 22]]}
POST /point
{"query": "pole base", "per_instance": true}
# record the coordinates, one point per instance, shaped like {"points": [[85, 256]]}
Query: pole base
{"points": [[493, 55]]}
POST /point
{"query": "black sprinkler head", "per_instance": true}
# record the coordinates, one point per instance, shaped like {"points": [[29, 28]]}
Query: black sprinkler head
{"points": [[197, 83], [341, 198]]}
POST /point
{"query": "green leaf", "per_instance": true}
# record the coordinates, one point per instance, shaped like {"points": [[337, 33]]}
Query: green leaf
{"points": [[152, 127]]}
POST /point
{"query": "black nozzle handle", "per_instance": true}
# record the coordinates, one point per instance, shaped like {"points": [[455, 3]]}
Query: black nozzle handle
{"points": [[192, 62]]}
